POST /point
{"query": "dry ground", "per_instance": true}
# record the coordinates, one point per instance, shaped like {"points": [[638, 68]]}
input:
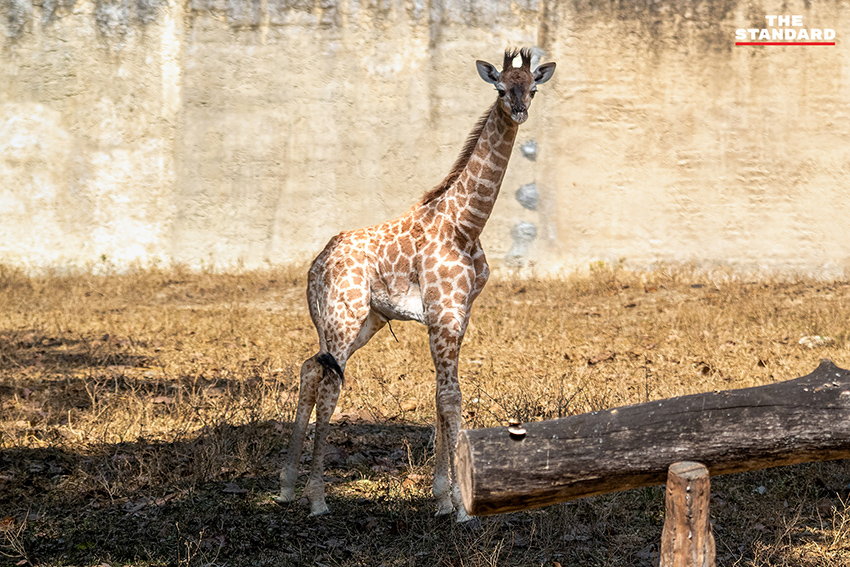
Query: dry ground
{"points": [[143, 418]]}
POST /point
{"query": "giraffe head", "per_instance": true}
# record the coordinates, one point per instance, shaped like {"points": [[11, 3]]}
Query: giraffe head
{"points": [[516, 85]]}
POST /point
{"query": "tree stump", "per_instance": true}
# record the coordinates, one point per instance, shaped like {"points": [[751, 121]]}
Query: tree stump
{"points": [[686, 540]]}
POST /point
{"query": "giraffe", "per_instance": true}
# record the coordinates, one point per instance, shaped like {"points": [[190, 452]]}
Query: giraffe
{"points": [[427, 266]]}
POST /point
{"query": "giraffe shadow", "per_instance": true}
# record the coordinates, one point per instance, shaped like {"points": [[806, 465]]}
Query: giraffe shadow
{"points": [[209, 497]]}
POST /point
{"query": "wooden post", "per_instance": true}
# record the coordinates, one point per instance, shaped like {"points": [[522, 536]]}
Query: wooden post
{"points": [[506, 469], [687, 540]]}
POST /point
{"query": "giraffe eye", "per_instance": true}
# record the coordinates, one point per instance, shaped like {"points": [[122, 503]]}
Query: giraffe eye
{"points": [[501, 92], [532, 93]]}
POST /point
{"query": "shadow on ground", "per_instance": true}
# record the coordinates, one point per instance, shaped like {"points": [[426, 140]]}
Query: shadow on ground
{"points": [[26, 349], [207, 497], [163, 504]]}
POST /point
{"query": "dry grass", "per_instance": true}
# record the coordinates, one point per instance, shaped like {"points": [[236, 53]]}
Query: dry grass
{"points": [[142, 418]]}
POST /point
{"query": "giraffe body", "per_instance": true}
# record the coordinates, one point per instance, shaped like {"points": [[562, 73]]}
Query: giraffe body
{"points": [[427, 266]]}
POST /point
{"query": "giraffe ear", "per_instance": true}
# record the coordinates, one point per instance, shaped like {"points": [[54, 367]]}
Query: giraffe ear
{"points": [[544, 73], [488, 72]]}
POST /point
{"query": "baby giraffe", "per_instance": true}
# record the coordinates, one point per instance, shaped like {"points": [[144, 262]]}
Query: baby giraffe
{"points": [[427, 266]]}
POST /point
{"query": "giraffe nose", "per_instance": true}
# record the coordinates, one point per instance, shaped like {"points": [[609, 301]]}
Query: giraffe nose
{"points": [[519, 114]]}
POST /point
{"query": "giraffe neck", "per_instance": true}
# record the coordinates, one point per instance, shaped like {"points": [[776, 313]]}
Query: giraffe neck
{"points": [[471, 197]]}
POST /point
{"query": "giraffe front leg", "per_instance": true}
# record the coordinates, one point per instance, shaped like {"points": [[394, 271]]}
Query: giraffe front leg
{"points": [[441, 467], [450, 417], [445, 346], [446, 488], [308, 389]]}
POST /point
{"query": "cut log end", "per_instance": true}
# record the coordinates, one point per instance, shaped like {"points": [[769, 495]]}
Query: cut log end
{"points": [[688, 470]]}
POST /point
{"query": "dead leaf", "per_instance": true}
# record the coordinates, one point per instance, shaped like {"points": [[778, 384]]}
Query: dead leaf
{"points": [[131, 507], [359, 415], [7, 523], [335, 456], [825, 507], [333, 542], [383, 465], [602, 357], [164, 499], [233, 488], [412, 480]]}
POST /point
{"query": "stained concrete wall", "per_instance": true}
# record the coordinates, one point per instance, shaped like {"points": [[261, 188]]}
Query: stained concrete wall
{"points": [[247, 132]]}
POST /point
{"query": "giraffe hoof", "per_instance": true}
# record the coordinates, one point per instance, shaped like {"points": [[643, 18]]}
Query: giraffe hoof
{"points": [[467, 520], [444, 508], [285, 496], [320, 510]]}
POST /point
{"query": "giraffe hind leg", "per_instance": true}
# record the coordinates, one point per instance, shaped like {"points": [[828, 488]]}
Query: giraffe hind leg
{"points": [[338, 300], [353, 332], [328, 395], [308, 390]]}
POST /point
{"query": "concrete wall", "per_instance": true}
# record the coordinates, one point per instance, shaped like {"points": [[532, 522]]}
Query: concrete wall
{"points": [[247, 132]]}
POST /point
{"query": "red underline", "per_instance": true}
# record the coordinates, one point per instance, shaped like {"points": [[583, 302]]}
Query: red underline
{"points": [[784, 43]]}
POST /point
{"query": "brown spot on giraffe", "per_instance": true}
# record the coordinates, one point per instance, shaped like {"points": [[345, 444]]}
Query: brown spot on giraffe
{"points": [[475, 167], [426, 266], [446, 287], [406, 245], [450, 254], [403, 265]]}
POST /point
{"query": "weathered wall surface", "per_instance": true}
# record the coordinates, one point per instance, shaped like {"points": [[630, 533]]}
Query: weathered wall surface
{"points": [[246, 132]]}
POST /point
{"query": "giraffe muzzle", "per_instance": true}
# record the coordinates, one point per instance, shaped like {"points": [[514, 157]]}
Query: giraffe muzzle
{"points": [[519, 115]]}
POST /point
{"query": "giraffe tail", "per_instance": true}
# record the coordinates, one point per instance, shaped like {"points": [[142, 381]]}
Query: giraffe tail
{"points": [[329, 364]]}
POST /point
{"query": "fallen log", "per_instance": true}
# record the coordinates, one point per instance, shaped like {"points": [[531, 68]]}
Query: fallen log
{"points": [[796, 421]]}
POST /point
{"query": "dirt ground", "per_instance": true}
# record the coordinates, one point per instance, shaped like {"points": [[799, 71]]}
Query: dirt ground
{"points": [[144, 416]]}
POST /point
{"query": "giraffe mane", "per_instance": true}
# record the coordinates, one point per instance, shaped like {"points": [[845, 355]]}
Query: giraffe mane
{"points": [[461, 161]]}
